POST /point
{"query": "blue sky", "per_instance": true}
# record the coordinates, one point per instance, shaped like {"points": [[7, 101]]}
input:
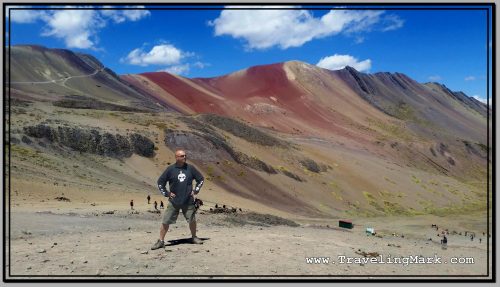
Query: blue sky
{"points": [[447, 46]]}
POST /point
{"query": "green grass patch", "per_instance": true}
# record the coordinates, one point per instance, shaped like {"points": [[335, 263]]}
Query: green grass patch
{"points": [[33, 156], [393, 208], [372, 201], [385, 194], [415, 179], [391, 131], [337, 196]]}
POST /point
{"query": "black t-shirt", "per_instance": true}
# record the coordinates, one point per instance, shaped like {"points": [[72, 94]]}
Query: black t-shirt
{"points": [[180, 181]]}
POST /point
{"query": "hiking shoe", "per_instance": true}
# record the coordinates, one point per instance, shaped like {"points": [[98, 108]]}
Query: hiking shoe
{"points": [[158, 244], [196, 240]]}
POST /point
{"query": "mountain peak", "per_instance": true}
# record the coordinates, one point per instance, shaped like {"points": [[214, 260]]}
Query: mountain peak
{"points": [[349, 68]]}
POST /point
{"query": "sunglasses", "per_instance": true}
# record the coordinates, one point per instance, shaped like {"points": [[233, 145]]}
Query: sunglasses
{"points": [[181, 155]]}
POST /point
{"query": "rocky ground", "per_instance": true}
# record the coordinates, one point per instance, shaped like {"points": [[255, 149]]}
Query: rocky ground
{"points": [[113, 241]]}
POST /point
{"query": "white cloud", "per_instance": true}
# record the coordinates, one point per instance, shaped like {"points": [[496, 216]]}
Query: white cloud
{"points": [[184, 69], [24, 16], [337, 62], [119, 16], [177, 69], [392, 22], [163, 54], [435, 78], [78, 28], [200, 65], [470, 78], [263, 29], [359, 40]]}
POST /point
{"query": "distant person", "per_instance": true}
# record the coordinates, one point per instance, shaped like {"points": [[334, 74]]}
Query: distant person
{"points": [[444, 241], [161, 204], [471, 238], [132, 204], [480, 239], [181, 195], [149, 198], [156, 205]]}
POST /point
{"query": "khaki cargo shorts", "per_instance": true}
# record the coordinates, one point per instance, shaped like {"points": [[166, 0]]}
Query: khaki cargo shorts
{"points": [[172, 211]]}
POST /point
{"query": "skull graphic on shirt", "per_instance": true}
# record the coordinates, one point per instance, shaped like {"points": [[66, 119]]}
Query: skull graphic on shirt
{"points": [[181, 177]]}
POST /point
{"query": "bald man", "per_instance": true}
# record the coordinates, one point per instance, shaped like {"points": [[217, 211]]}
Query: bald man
{"points": [[181, 195]]}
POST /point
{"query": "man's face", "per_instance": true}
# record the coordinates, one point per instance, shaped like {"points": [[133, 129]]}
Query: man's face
{"points": [[180, 157]]}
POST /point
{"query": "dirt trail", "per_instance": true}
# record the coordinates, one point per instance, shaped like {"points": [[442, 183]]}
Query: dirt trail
{"points": [[62, 80]]}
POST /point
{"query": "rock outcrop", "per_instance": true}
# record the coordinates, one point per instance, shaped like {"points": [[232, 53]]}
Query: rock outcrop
{"points": [[92, 141]]}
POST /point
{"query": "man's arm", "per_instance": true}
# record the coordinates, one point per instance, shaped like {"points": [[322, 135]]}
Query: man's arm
{"points": [[198, 177], [162, 181]]}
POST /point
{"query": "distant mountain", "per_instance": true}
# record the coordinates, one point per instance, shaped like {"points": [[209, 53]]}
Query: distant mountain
{"points": [[286, 136], [298, 97], [61, 75]]}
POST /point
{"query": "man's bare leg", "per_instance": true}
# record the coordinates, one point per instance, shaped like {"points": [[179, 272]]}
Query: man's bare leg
{"points": [[192, 227], [163, 231]]}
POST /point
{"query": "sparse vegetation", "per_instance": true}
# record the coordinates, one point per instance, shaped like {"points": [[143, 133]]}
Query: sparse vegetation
{"points": [[483, 147], [337, 196], [393, 208], [284, 171], [403, 111], [433, 182], [372, 201], [385, 194], [388, 180], [415, 179], [393, 131], [160, 125], [83, 102], [33, 156], [19, 102]]}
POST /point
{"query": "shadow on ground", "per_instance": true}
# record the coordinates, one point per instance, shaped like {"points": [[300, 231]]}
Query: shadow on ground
{"points": [[183, 241]]}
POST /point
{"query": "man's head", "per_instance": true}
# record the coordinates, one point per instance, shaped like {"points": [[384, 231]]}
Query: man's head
{"points": [[180, 157]]}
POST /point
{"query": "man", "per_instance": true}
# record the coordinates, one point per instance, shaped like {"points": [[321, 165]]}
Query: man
{"points": [[179, 176], [148, 198]]}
